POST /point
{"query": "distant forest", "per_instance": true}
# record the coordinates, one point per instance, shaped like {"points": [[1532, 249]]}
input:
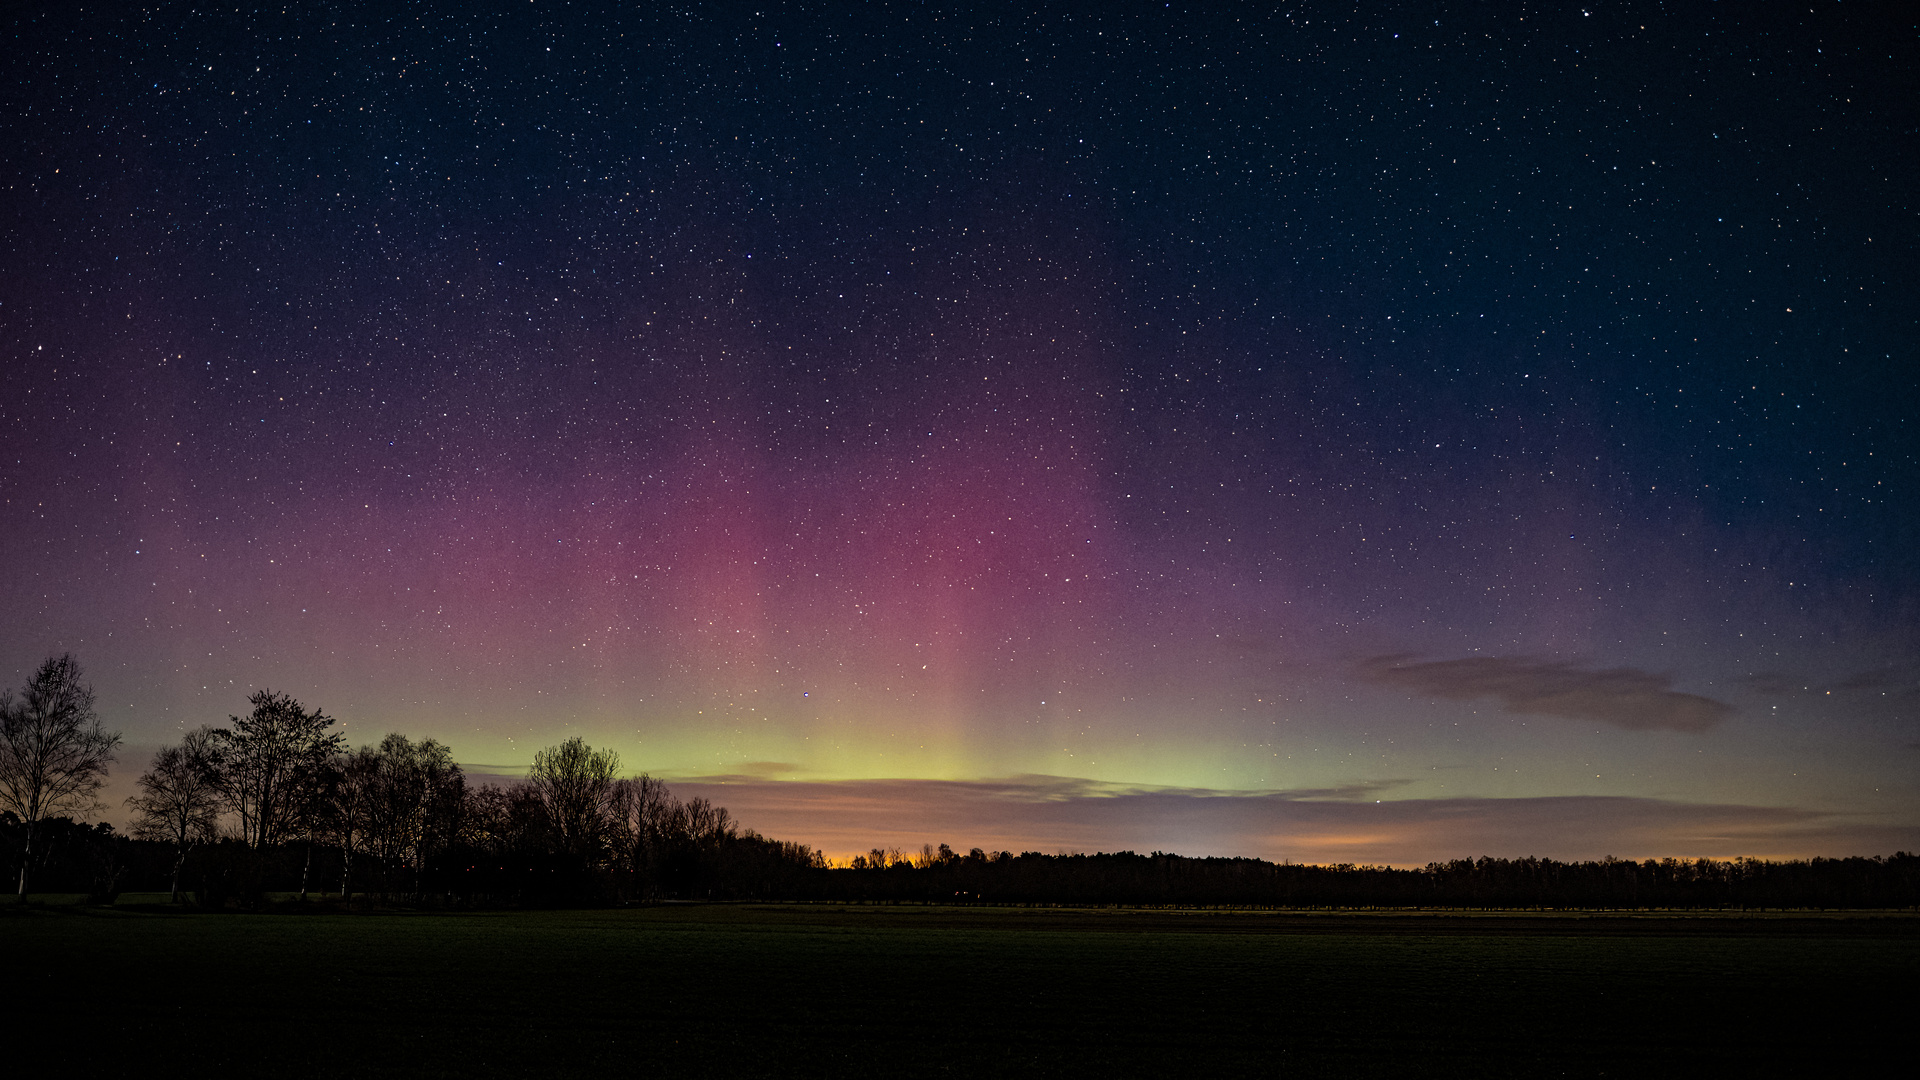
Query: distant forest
{"points": [[276, 803]]}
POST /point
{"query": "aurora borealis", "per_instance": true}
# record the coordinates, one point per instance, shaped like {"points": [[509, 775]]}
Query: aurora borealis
{"points": [[1322, 435]]}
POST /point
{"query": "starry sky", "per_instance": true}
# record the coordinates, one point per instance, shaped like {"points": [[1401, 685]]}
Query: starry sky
{"points": [[1318, 433]]}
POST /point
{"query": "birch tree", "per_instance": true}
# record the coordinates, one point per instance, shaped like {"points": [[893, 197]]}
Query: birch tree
{"points": [[179, 801], [53, 754], [350, 808]]}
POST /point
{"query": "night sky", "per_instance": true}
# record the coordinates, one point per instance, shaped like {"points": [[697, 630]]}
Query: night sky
{"points": [[1312, 433]]}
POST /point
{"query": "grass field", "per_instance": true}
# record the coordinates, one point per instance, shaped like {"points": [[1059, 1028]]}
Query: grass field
{"points": [[792, 990]]}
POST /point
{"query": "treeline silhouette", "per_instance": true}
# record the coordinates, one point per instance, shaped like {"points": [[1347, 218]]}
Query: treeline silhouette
{"points": [[1126, 878], [517, 866], [275, 802]]}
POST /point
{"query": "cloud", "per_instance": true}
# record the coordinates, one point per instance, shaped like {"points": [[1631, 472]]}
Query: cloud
{"points": [[1054, 814], [495, 773], [1623, 697], [1889, 691], [769, 769], [1903, 679], [1773, 682]]}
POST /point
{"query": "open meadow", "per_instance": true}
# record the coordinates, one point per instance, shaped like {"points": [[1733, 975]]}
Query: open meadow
{"points": [[829, 990]]}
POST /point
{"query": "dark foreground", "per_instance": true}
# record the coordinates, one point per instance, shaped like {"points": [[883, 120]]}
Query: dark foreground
{"points": [[773, 990]]}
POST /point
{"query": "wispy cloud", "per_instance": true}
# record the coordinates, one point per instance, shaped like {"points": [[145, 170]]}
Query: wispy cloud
{"points": [[1903, 679], [1774, 682], [1622, 697], [769, 769], [1892, 690], [1052, 814]]}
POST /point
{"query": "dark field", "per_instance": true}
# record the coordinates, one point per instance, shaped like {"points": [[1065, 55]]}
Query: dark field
{"points": [[773, 990]]}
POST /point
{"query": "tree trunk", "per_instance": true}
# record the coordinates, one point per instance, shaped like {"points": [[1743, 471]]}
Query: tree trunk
{"points": [[26, 860], [305, 870], [179, 861]]}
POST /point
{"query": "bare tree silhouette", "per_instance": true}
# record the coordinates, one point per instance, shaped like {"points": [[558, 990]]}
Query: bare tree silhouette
{"points": [[53, 754], [179, 801], [575, 783], [273, 763]]}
